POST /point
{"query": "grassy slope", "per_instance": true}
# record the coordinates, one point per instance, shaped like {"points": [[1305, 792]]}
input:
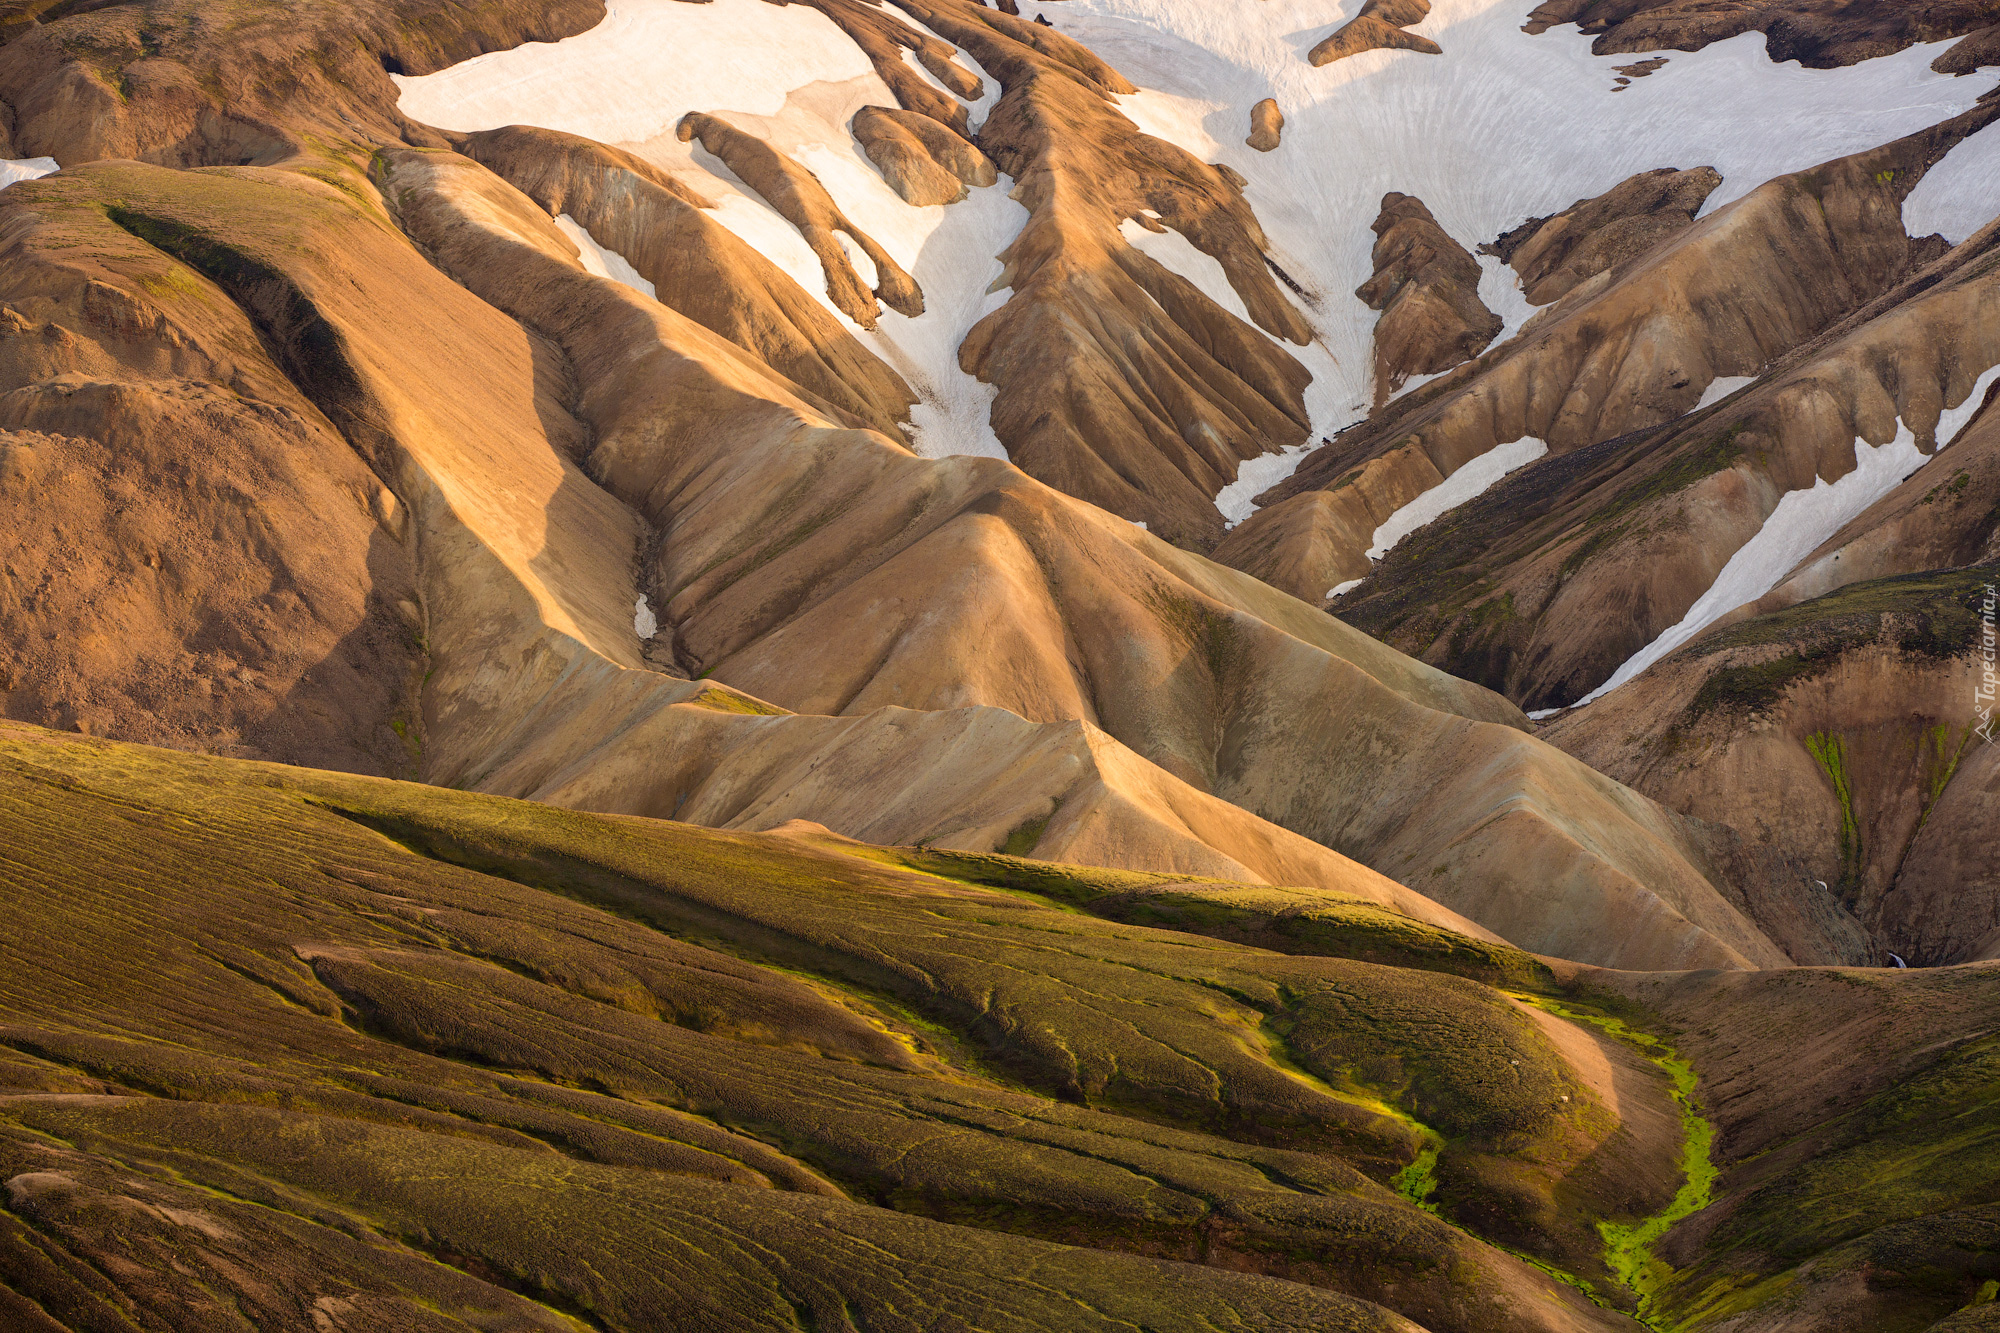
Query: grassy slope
{"points": [[516, 1063], [441, 1094]]}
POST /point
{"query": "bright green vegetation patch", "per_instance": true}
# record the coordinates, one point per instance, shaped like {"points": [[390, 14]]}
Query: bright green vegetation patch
{"points": [[1628, 1252], [731, 701], [1829, 751], [1939, 754], [1693, 465], [1418, 1181]]}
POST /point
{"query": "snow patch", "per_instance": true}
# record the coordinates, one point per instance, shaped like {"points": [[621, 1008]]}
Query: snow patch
{"points": [[1469, 481], [1500, 291], [1802, 522], [1178, 254], [1342, 589], [644, 623], [1178, 120], [604, 263], [977, 109], [14, 170], [638, 72], [789, 76], [1959, 195], [1720, 388], [1542, 714], [1238, 500]]}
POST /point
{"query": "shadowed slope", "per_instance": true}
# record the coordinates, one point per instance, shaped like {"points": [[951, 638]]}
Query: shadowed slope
{"points": [[698, 266], [1635, 348]]}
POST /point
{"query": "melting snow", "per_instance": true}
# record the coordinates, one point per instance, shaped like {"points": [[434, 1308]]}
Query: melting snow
{"points": [[1470, 480], [1176, 253], [1342, 589], [789, 75], [1542, 714], [1501, 127], [1500, 290], [1956, 197], [1802, 522], [634, 75], [1720, 388], [1238, 500], [644, 623], [16, 169], [604, 263]]}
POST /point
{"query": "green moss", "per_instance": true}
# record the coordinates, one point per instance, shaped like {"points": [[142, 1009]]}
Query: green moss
{"points": [[1759, 685], [730, 701], [1022, 838], [1691, 466], [1949, 489], [1290, 920], [1927, 615], [1418, 1181], [1830, 751], [1628, 1250], [1939, 754]]}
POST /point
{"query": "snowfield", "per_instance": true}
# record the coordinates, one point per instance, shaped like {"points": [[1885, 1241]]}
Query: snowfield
{"points": [[1501, 127], [1469, 482]]}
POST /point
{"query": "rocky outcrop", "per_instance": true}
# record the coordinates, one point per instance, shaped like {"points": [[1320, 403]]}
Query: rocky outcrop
{"points": [[1554, 255], [1378, 27], [1618, 543], [698, 267], [1631, 350], [1835, 716], [1943, 519], [1427, 287], [1977, 51], [1819, 34], [801, 200], [1267, 126], [1118, 380], [924, 162]]}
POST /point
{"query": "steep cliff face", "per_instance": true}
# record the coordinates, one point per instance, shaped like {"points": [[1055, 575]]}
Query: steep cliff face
{"points": [[224, 82], [1556, 254], [1840, 730]]}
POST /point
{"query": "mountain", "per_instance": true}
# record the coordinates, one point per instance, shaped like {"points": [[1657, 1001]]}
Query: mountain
{"points": [[1059, 664]]}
